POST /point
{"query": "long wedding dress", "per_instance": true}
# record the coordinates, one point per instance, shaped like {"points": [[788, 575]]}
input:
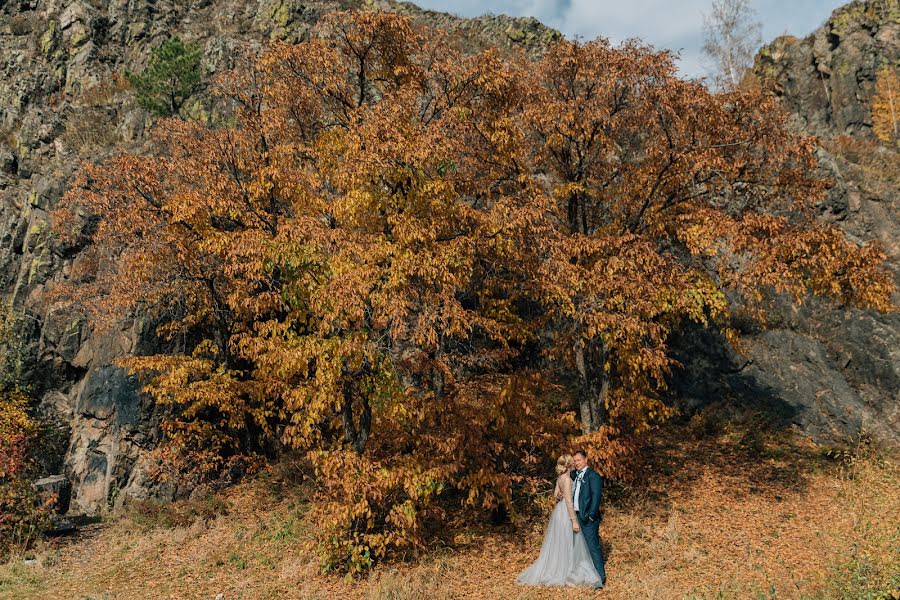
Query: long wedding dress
{"points": [[564, 557]]}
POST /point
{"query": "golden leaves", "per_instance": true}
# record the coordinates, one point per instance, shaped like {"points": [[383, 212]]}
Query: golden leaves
{"points": [[23, 510], [17, 430]]}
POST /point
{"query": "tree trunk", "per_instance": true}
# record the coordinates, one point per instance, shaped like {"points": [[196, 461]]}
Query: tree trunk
{"points": [[356, 434], [590, 356], [437, 375]]}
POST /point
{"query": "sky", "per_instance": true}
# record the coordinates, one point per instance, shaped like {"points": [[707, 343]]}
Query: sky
{"points": [[673, 24]]}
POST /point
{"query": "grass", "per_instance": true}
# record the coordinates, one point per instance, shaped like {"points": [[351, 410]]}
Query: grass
{"points": [[724, 508], [148, 515], [90, 130]]}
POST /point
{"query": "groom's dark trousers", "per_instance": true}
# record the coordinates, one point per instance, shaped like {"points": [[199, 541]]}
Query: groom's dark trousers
{"points": [[589, 496], [591, 533]]}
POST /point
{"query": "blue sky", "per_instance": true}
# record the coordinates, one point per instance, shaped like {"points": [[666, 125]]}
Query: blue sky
{"points": [[672, 24]]}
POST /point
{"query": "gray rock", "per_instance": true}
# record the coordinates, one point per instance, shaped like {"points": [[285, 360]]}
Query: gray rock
{"points": [[829, 371], [59, 485], [61, 525], [827, 80], [8, 162], [134, 123]]}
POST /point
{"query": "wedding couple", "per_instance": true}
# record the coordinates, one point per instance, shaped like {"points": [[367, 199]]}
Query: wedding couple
{"points": [[571, 553]]}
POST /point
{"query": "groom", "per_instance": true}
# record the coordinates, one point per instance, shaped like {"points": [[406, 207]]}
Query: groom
{"points": [[586, 496]]}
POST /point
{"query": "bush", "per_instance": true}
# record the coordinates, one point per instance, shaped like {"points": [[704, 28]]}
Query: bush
{"points": [[13, 354], [476, 457], [24, 514]]}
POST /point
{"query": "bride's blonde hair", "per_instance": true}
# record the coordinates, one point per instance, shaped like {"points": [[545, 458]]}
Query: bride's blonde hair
{"points": [[563, 463]]}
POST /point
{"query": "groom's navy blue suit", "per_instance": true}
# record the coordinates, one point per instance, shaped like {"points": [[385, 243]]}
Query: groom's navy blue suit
{"points": [[590, 493]]}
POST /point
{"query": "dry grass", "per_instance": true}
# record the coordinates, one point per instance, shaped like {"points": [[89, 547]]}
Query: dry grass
{"points": [[91, 130], [105, 93], [719, 512]]}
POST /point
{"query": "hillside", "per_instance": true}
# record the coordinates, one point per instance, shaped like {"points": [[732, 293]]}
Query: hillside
{"points": [[760, 488], [827, 373]]}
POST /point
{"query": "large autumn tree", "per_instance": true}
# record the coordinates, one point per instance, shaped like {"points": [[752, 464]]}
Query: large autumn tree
{"points": [[422, 262]]}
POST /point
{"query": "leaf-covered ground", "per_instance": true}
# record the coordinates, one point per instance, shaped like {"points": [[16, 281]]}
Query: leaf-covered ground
{"points": [[723, 508]]}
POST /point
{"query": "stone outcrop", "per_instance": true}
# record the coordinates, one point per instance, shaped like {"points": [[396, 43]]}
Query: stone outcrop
{"points": [[831, 371], [827, 80]]}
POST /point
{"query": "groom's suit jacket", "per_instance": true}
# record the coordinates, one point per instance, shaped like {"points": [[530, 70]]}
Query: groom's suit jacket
{"points": [[589, 495]]}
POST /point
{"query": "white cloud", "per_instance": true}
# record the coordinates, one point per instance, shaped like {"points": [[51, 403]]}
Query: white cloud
{"points": [[660, 23], [650, 20]]}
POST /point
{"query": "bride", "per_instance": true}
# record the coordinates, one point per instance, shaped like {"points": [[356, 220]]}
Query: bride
{"points": [[564, 557]]}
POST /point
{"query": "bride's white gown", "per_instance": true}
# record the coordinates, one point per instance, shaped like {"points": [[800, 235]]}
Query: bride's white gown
{"points": [[564, 557]]}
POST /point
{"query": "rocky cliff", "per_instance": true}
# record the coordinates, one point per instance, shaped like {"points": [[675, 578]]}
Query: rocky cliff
{"points": [[827, 80], [839, 369], [63, 100], [829, 371]]}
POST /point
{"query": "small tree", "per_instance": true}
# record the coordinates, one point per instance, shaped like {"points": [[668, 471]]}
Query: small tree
{"points": [[732, 37], [886, 106], [172, 77], [24, 514]]}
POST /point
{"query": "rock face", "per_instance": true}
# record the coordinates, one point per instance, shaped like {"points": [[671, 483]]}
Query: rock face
{"points": [[63, 100], [831, 371], [828, 79]]}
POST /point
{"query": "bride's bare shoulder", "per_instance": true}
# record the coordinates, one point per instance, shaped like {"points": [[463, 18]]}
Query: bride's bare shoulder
{"points": [[563, 479]]}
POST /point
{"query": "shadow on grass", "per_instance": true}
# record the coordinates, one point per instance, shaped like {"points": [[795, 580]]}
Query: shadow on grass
{"points": [[738, 444], [731, 426]]}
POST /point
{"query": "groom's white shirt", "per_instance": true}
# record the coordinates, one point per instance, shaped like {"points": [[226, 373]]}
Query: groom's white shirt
{"points": [[578, 479]]}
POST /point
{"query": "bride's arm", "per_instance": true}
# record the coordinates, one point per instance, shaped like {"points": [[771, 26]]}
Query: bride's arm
{"points": [[565, 483]]}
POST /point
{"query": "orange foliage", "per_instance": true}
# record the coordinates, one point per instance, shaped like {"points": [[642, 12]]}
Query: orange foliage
{"points": [[394, 250], [469, 455], [22, 512]]}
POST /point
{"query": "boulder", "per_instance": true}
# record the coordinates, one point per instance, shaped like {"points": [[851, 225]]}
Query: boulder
{"points": [[58, 485]]}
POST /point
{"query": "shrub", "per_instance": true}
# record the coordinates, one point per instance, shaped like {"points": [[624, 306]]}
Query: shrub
{"points": [[24, 514], [886, 106], [13, 350]]}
